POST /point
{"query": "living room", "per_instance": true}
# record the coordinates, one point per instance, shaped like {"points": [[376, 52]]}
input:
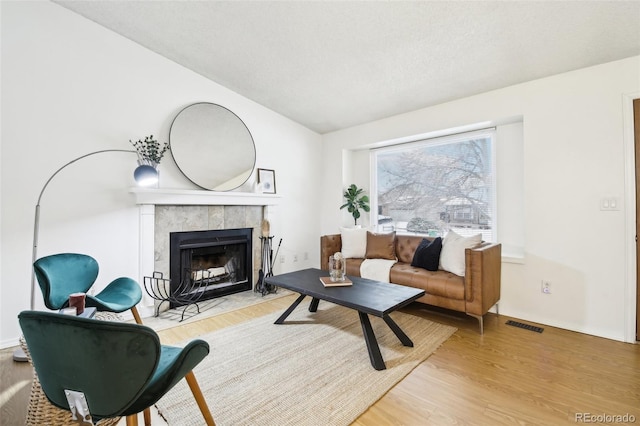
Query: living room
{"points": [[71, 86]]}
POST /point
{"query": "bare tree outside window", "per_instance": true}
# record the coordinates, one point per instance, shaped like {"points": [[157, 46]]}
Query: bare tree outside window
{"points": [[431, 187]]}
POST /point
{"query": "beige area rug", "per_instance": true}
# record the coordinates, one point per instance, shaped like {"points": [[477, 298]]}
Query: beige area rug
{"points": [[312, 370], [208, 308]]}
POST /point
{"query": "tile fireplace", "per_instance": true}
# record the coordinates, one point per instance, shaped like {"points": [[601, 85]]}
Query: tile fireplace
{"points": [[165, 211]]}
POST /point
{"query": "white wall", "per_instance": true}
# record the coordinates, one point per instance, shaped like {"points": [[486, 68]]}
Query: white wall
{"points": [[573, 155], [70, 87]]}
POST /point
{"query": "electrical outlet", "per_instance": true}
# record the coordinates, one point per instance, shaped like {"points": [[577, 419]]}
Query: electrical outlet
{"points": [[306, 255], [282, 258], [546, 287], [295, 257], [610, 204]]}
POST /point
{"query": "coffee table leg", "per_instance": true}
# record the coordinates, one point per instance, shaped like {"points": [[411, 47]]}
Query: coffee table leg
{"points": [[313, 306], [372, 343], [289, 310], [398, 331]]}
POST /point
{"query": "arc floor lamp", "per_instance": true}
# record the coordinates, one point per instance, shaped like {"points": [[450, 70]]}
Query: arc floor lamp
{"points": [[144, 175]]}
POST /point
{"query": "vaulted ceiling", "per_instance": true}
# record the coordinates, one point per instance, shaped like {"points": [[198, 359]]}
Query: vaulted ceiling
{"points": [[334, 64]]}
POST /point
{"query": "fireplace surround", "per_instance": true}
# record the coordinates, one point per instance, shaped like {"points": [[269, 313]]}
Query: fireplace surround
{"points": [[163, 211]]}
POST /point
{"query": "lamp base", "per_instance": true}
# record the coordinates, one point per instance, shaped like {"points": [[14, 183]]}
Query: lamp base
{"points": [[20, 356]]}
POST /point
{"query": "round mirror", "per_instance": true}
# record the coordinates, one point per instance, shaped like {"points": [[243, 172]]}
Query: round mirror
{"points": [[212, 147]]}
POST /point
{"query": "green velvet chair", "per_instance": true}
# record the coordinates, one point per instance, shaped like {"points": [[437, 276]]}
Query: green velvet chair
{"points": [[120, 368], [62, 274]]}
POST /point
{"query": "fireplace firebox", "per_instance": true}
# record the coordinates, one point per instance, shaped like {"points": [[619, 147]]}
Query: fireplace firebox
{"points": [[209, 264]]}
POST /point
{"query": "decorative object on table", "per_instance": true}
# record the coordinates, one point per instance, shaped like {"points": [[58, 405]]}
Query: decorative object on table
{"points": [[337, 267], [356, 201], [113, 368], [267, 181], [328, 282], [77, 300], [150, 153], [68, 311], [143, 177], [87, 313], [185, 294], [267, 260]]}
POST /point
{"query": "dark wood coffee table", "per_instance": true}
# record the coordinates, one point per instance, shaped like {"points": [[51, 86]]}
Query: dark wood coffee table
{"points": [[368, 297]]}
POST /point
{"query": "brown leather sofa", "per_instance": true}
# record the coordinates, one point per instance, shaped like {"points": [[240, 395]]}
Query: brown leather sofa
{"points": [[473, 294]]}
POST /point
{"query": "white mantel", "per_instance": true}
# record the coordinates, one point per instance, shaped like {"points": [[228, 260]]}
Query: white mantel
{"points": [[189, 197]]}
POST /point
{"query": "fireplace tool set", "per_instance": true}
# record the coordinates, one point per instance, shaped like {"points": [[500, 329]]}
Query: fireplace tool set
{"points": [[267, 260]]}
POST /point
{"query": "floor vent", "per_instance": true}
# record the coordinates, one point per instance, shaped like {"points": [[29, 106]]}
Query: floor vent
{"points": [[525, 326]]}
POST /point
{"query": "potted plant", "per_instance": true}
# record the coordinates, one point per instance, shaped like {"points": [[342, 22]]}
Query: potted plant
{"points": [[149, 151], [355, 201]]}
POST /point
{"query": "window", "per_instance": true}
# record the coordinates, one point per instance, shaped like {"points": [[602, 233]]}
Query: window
{"points": [[432, 186]]}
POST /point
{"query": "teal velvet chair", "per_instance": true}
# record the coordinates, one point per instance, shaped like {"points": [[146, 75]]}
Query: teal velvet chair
{"points": [[120, 368], [62, 274]]}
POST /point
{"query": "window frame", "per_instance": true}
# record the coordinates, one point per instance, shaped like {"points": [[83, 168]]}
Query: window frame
{"points": [[490, 133]]}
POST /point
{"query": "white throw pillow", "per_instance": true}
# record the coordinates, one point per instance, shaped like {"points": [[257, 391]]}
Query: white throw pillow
{"points": [[354, 242], [452, 255]]}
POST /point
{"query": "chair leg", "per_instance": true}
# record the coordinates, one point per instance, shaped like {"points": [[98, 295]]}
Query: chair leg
{"points": [[132, 420], [197, 394], [136, 315], [147, 416]]}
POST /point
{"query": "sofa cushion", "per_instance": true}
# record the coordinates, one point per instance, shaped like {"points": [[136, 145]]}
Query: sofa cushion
{"points": [[406, 246], [441, 283], [353, 266], [354, 242], [381, 246], [427, 255], [452, 257]]}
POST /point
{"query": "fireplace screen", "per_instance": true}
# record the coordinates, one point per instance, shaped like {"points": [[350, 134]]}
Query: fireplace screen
{"points": [[208, 264]]}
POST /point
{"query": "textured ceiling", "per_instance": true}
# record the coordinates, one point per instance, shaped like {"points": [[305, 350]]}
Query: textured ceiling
{"points": [[334, 64]]}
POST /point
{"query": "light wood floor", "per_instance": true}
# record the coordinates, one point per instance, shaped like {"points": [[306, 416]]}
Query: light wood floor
{"points": [[508, 376]]}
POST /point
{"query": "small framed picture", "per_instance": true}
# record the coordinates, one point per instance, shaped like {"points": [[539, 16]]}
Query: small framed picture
{"points": [[267, 180]]}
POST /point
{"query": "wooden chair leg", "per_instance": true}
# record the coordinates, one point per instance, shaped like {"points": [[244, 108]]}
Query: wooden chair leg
{"points": [[132, 420], [136, 315], [147, 416], [197, 394]]}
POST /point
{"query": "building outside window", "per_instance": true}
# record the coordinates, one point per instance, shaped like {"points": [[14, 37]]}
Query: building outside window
{"points": [[432, 186]]}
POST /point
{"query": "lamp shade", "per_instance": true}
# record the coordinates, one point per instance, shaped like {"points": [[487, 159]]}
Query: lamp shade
{"points": [[145, 175]]}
